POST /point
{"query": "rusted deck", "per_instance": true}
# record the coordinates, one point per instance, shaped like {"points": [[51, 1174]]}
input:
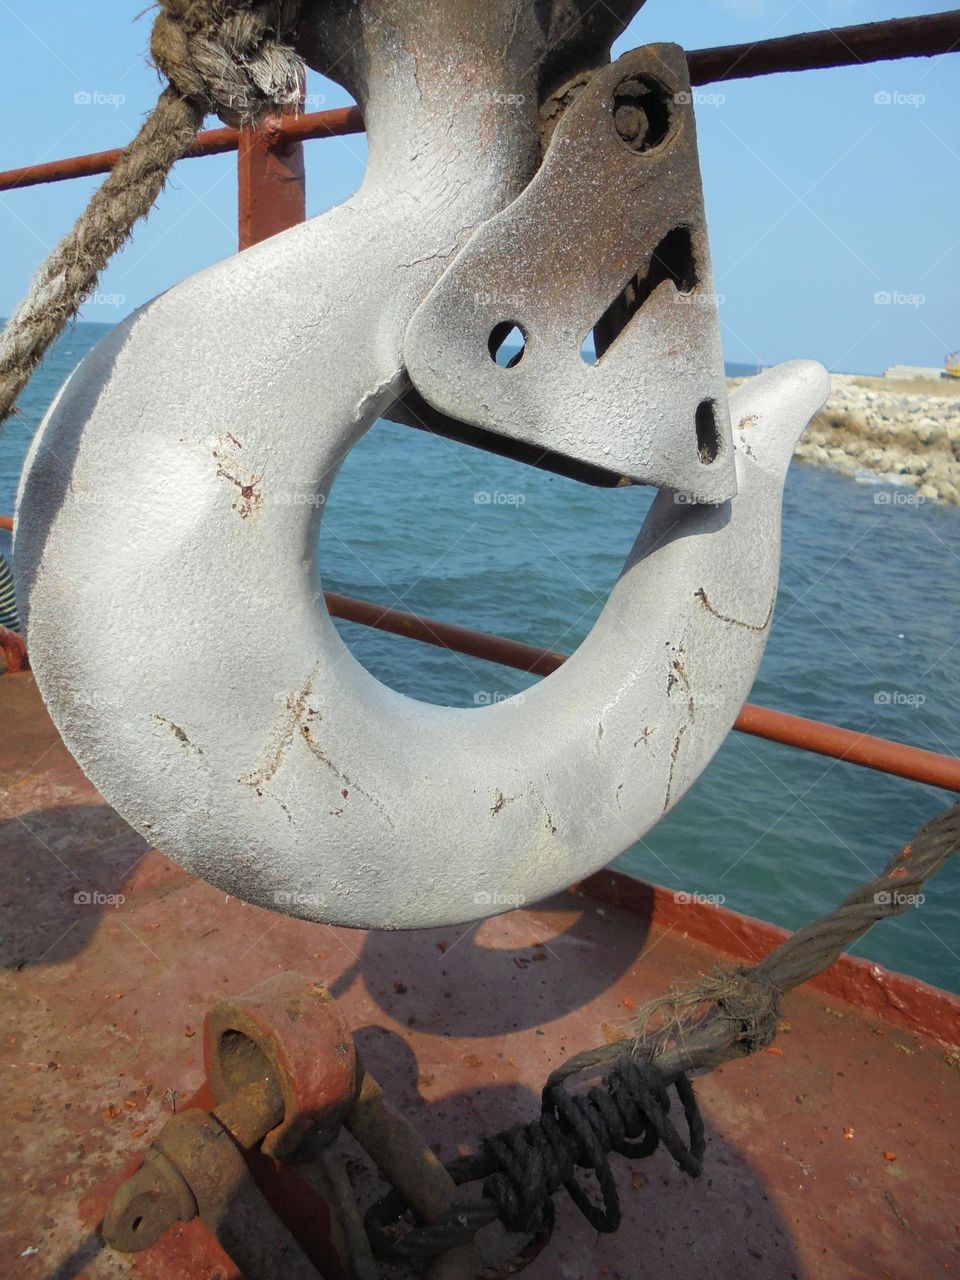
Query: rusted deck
{"points": [[834, 1154]]}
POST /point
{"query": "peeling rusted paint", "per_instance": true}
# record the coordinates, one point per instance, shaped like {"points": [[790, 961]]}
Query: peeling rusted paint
{"points": [[701, 595], [674, 752], [645, 736], [283, 732], [179, 734], [251, 499], [321, 755], [500, 802], [551, 825]]}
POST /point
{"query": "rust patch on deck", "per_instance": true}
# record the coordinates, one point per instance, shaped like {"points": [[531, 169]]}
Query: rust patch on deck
{"points": [[461, 1029]]}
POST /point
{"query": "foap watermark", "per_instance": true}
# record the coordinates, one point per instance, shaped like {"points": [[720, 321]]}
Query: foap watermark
{"points": [[493, 698], [294, 898], [484, 300], [497, 98], [105, 499], [93, 497], [891, 898], [484, 899], [106, 299], [681, 499], [293, 701], [98, 98], [103, 701], [702, 701], [897, 298], [94, 898], [684, 899], [707, 301], [697, 99], [898, 498], [898, 698], [494, 498], [297, 498], [897, 98]]}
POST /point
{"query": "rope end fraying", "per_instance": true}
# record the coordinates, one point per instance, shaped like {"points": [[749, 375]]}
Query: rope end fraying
{"points": [[740, 995], [233, 57]]}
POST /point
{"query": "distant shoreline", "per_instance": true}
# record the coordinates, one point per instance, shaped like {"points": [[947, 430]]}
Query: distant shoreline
{"points": [[903, 432], [900, 432]]}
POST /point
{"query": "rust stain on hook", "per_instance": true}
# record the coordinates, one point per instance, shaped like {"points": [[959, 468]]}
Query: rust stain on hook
{"points": [[701, 595]]}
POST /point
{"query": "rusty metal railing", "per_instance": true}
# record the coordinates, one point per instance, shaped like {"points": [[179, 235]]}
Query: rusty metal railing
{"points": [[923, 36], [286, 130], [762, 722], [270, 198], [815, 736]]}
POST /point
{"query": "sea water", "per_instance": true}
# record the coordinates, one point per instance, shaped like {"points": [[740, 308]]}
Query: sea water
{"points": [[865, 635]]}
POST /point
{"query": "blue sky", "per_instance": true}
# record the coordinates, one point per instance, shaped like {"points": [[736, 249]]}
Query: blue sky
{"points": [[823, 189]]}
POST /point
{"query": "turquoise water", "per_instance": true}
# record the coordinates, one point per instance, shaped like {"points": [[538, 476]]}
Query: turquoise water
{"points": [[869, 603]]}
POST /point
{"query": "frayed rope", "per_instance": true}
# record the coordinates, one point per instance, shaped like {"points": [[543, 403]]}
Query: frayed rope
{"points": [[232, 57]]}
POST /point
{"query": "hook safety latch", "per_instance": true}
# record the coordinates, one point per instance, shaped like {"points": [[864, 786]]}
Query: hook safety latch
{"points": [[602, 264]]}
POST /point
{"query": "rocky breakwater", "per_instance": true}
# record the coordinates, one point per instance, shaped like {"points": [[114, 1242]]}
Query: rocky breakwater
{"points": [[902, 432]]}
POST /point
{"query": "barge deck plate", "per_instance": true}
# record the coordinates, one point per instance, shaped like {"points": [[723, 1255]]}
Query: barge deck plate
{"points": [[833, 1154]]}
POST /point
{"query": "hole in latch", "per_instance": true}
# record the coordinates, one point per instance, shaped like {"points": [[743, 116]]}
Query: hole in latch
{"points": [[708, 437], [507, 343], [242, 1062], [673, 259], [641, 112]]}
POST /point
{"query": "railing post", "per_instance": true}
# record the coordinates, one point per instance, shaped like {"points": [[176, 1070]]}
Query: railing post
{"points": [[271, 193]]}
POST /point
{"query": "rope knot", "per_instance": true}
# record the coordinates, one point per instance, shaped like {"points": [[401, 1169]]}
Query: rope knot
{"points": [[629, 1114], [232, 57], [747, 998]]}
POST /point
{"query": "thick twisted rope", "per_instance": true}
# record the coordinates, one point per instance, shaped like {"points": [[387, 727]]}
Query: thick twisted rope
{"points": [[9, 617], [728, 1015], [231, 57], [234, 57], [523, 1167]]}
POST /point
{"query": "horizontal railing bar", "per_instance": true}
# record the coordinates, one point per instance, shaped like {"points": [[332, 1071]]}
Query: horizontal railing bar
{"points": [[921, 37], [824, 739], [211, 142], [446, 635], [779, 726]]}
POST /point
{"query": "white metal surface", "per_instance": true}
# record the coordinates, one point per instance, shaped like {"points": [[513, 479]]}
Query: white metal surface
{"points": [[164, 533]]}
